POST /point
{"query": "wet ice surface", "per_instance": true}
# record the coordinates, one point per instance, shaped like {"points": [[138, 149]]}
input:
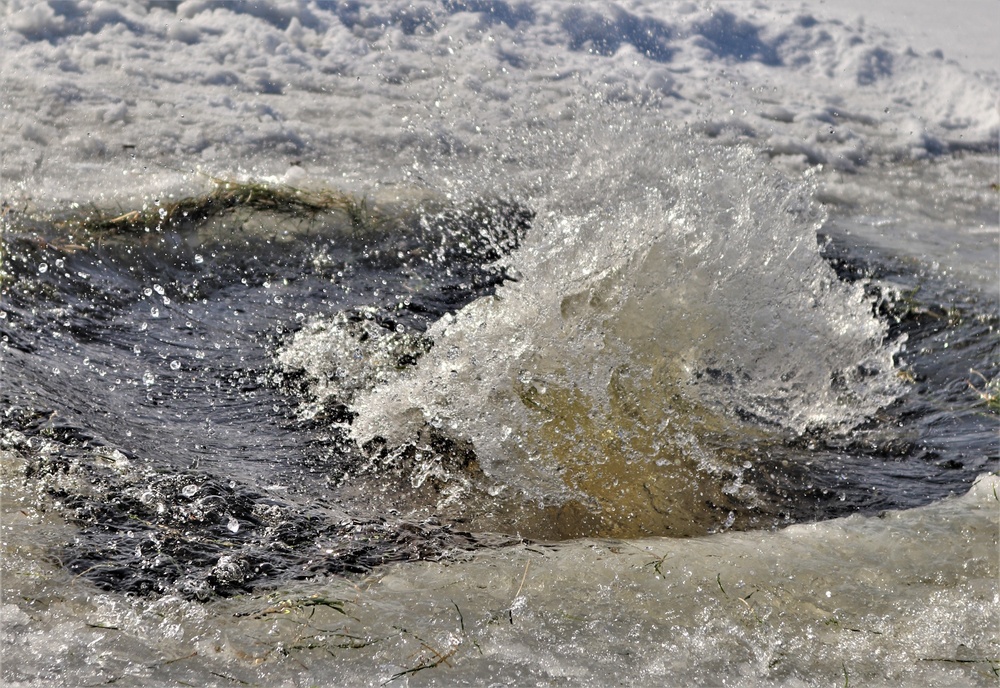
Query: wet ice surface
{"points": [[917, 605], [246, 421]]}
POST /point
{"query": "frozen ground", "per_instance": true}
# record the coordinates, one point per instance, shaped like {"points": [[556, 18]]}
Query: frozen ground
{"points": [[144, 94]]}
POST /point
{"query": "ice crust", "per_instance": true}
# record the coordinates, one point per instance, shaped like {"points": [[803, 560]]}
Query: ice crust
{"points": [[905, 598], [143, 93]]}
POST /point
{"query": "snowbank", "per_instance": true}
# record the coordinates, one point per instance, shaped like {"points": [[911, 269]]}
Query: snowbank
{"points": [[105, 98]]}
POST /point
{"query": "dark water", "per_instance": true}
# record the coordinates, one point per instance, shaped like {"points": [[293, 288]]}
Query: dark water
{"points": [[139, 384]]}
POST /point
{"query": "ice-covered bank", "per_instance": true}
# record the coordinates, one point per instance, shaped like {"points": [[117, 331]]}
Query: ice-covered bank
{"points": [[139, 91], [905, 598]]}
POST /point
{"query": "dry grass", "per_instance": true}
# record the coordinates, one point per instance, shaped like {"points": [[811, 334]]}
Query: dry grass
{"points": [[225, 197], [75, 229]]}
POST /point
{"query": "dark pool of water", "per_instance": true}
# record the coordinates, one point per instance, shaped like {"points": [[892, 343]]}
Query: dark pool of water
{"points": [[139, 381]]}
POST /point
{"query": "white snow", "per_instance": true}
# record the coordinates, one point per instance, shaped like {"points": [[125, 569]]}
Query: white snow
{"points": [[102, 99], [964, 30]]}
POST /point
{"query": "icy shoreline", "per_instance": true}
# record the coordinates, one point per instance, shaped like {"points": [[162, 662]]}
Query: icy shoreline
{"points": [[917, 606], [105, 100]]}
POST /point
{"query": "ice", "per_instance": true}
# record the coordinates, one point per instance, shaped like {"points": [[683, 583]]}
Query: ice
{"points": [[327, 86], [916, 606]]}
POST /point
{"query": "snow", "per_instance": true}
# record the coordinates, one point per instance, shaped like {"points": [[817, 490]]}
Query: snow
{"points": [[146, 93], [964, 30]]}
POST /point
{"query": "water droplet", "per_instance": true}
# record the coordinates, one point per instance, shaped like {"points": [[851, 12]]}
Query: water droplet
{"points": [[198, 259], [158, 289], [43, 267], [148, 379], [147, 291], [175, 365], [233, 525], [154, 311], [60, 262], [189, 490]]}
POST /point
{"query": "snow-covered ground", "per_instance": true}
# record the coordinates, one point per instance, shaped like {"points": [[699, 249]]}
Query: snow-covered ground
{"points": [[964, 30], [100, 98]]}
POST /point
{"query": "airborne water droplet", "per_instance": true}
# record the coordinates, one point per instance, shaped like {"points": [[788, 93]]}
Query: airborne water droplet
{"points": [[233, 525], [43, 267], [198, 258], [189, 490], [175, 365], [148, 379]]}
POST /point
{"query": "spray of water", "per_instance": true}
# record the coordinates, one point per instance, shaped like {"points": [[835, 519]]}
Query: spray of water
{"points": [[671, 304]]}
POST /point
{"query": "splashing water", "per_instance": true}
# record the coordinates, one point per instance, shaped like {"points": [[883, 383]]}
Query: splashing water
{"points": [[669, 302]]}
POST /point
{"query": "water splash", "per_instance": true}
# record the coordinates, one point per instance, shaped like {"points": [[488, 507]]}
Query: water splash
{"points": [[672, 303]]}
